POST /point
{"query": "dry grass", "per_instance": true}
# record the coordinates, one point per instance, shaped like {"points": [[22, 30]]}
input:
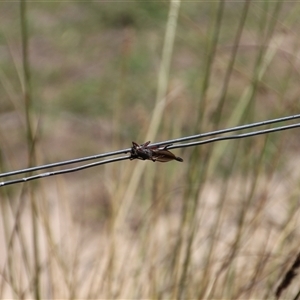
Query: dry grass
{"points": [[223, 224]]}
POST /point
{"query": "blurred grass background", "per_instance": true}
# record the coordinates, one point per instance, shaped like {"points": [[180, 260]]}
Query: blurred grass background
{"points": [[223, 224]]}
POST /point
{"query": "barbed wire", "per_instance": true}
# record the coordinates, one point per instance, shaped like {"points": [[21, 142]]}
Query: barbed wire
{"points": [[168, 142]]}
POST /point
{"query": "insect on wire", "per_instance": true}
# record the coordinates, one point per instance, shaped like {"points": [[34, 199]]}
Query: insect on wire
{"points": [[154, 152]]}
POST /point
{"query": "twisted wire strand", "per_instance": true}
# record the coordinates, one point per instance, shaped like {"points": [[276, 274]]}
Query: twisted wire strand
{"points": [[124, 151]]}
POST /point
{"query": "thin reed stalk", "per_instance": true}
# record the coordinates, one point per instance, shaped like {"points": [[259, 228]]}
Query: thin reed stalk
{"points": [[31, 141], [192, 193], [159, 107]]}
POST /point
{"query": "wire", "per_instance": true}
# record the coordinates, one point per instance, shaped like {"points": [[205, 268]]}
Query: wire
{"points": [[70, 170], [124, 151], [63, 163], [82, 167], [232, 129], [237, 136]]}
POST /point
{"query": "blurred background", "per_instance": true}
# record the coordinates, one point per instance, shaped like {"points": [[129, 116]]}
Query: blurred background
{"points": [[84, 78]]}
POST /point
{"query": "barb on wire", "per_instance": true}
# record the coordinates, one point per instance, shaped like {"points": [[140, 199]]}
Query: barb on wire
{"points": [[125, 151]]}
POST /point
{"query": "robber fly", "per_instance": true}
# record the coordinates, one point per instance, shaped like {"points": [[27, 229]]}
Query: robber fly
{"points": [[154, 153]]}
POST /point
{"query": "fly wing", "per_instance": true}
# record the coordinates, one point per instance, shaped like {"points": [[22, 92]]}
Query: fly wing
{"points": [[165, 156], [158, 147], [179, 159]]}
